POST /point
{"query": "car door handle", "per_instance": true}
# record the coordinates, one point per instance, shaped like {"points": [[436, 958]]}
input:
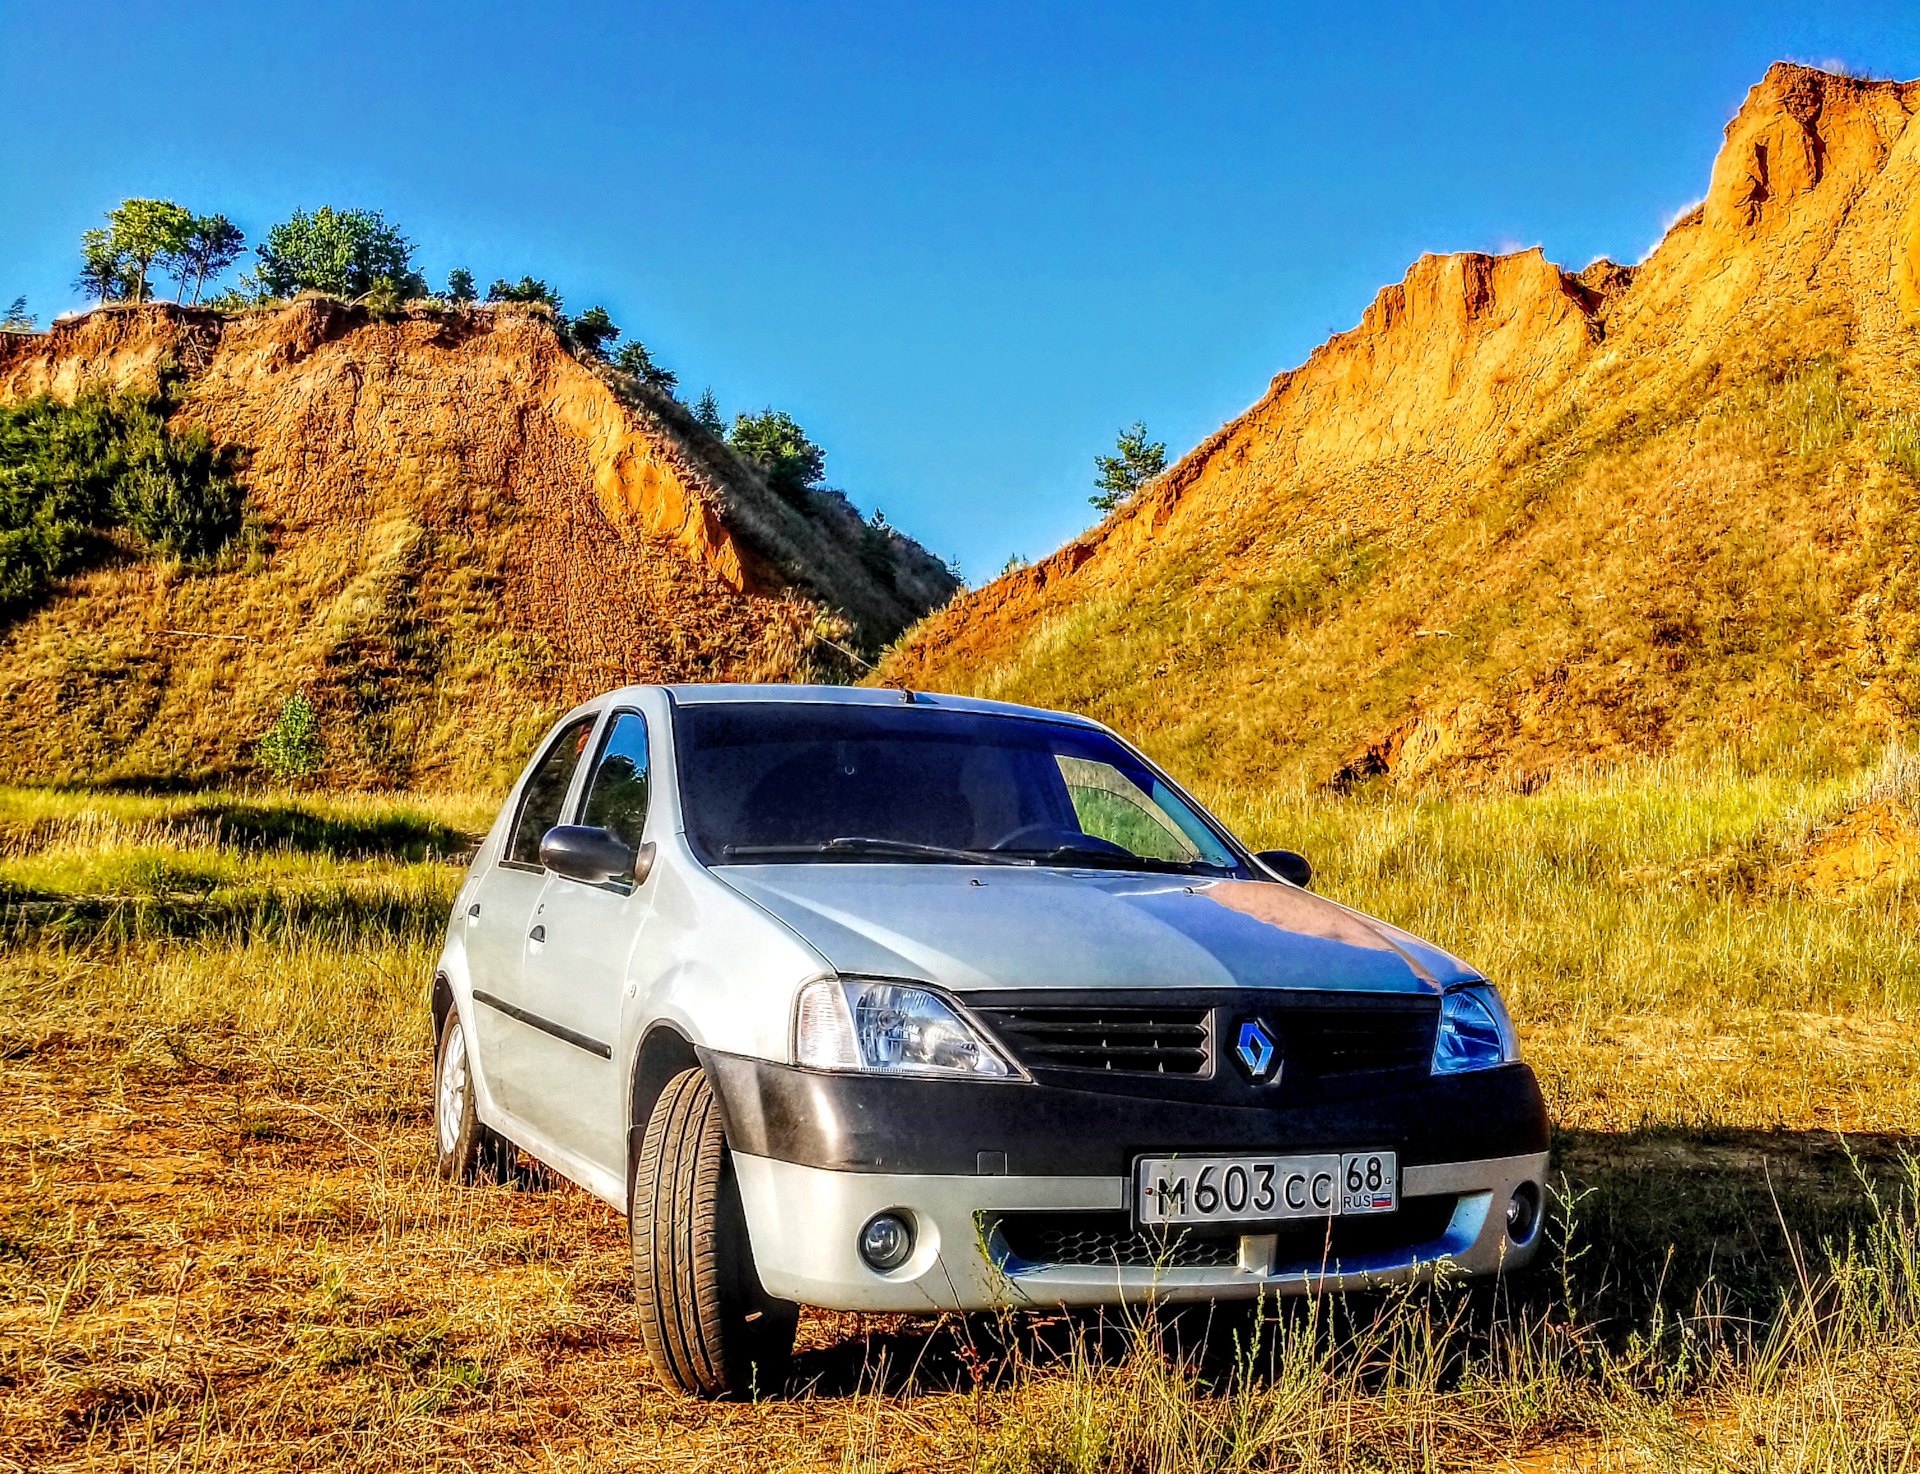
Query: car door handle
{"points": [[538, 934]]}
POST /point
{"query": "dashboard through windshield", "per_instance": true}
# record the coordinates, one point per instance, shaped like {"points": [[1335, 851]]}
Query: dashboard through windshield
{"points": [[786, 783]]}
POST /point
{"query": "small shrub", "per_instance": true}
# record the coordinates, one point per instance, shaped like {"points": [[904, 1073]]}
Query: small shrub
{"points": [[1898, 443], [69, 472], [58, 466], [291, 747], [876, 550], [384, 300], [1814, 412], [176, 497], [527, 289]]}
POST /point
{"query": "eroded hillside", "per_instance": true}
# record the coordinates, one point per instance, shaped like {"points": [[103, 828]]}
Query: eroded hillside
{"points": [[1521, 519], [459, 528]]}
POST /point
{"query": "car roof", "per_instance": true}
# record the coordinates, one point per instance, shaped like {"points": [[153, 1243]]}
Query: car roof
{"points": [[719, 693]]}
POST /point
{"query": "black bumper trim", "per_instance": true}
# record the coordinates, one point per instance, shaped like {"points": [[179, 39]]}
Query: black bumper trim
{"points": [[873, 1123]]}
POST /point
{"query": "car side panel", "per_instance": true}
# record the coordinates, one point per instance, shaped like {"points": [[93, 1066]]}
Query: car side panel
{"points": [[711, 964]]}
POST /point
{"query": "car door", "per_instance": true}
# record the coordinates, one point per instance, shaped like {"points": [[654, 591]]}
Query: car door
{"points": [[500, 913], [582, 940]]}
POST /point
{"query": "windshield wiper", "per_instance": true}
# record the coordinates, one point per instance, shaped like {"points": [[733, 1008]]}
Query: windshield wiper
{"points": [[855, 844], [1092, 859]]}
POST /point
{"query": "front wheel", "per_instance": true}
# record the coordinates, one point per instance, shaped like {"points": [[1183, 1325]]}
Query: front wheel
{"points": [[709, 1326], [464, 1149]]}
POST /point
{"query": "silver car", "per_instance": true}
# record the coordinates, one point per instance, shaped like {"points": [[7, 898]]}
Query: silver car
{"points": [[887, 1001]]}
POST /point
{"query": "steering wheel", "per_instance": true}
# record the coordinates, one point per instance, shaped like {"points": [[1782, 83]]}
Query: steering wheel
{"points": [[1059, 838]]}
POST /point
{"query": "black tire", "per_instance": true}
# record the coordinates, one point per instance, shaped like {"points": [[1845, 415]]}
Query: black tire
{"points": [[709, 1326], [464, 1149]]}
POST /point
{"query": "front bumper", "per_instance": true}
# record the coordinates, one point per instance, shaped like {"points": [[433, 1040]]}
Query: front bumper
{"points": [[803, 1222], [860, 1122]]}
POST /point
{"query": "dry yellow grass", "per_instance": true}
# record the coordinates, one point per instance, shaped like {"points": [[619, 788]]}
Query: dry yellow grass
{"points": [[223, 1246]]}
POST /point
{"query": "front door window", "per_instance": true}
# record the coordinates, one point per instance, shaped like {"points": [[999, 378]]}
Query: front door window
{"points": [[617, 792]]}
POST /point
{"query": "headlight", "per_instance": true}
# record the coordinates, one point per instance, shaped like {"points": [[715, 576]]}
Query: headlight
{"points": [[854, 1024], [1475, 1033]]}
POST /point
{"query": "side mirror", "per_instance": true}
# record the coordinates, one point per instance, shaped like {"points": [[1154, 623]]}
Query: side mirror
{"points": [[581, 852], [1287, 864]]}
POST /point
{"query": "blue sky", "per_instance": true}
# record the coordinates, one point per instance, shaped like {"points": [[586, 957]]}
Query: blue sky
{"points": [[963, 245]]}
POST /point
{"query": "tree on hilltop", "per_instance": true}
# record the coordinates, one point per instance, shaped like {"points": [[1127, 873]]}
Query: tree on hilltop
{"points": [[773, 441], [707, 414], [115, 261], [212, 243], [460, 286], [527, 289], [341, 252], [18, 318], [634, 359], [1123, 474], [105, 273], [590, 333]]}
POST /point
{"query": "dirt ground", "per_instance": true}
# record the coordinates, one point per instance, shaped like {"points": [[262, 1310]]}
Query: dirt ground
{"points": [[219, 1257]]}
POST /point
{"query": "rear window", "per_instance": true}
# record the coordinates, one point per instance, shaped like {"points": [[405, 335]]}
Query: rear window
{"points": [[546, 791], [783, 783]]}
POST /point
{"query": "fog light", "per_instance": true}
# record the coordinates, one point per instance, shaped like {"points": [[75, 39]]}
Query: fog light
{"points": [[1523, 1213], [886, 1241]]}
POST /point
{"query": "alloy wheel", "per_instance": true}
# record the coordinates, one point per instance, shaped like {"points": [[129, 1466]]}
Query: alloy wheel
{"points": [[451, 1098]]}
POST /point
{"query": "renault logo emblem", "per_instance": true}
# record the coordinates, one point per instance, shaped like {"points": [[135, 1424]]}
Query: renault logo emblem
{"points": [[1255, 1049]]}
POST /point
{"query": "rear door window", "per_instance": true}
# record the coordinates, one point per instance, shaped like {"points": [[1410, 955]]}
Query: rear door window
{"points": [[546, 792]]}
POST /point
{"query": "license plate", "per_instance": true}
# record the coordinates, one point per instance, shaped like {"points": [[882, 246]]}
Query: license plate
{"points": [[1262, 1189]]}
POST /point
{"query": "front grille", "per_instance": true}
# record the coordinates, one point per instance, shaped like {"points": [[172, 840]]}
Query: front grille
{"points": [[1111, 1239], [1316, 1041], [1416, 1223], [1327, 1042], [1139, 1041]]}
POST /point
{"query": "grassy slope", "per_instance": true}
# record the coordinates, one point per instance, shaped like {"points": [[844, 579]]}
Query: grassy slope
{"points": [[441, 563], [226, 1246], [1739, 569]]}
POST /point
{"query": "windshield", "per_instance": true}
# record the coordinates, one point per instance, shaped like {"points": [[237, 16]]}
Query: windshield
{"points": [[779, 783]]}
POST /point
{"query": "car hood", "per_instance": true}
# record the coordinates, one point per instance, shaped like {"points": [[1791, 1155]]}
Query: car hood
{"points": [[969, 927]]}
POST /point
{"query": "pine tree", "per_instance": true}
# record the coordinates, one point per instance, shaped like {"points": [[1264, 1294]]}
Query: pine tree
{"points": [[634, 359], [776, 443], [1123, 474]]}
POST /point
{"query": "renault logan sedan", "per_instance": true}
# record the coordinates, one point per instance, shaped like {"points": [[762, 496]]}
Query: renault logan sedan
{"points": [[887, 1001]]}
